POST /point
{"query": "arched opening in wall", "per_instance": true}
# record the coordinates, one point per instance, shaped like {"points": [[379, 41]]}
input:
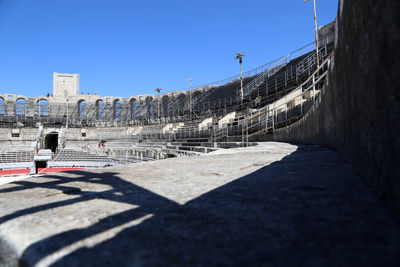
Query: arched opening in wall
{"points": [[42, 108], [117, 109], [134, 108], [2, 107], [173, 103], [165, 106], [51, 141], [82, 109], [142, 110], [100, 109], [181, 104], [150, 107], [20, 107]]}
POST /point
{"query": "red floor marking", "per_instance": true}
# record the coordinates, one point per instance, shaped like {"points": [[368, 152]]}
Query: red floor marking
{"points": [[40, 170], [10, 172]]}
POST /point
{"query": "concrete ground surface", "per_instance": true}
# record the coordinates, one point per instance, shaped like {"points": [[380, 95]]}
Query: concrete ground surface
{"points": [[275, 204]]}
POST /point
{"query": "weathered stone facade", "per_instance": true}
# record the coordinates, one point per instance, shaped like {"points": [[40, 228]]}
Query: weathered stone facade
{"points": [[141, 106]]}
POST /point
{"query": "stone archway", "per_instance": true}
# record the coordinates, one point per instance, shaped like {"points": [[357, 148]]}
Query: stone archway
{"points": [[51, 141]]}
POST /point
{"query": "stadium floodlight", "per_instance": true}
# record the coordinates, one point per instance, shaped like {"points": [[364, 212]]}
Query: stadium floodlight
{"points": [[316, 31], [240, 56], [190, 94], [158, 90]]}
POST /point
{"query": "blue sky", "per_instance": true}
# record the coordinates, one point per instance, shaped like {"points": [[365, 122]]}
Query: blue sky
{"points": [[124, 48]]}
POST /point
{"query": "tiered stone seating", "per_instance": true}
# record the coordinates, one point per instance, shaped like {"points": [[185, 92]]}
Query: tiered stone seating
{"points": [[172, 127], [75, 155], [205, 124], [287, 79], [227, 90], [134, 130], [149, 129], [227, 119]]}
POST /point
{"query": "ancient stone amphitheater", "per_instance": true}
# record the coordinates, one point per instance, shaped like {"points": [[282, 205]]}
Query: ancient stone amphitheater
{"points": [[197, 177], [166, 125]]}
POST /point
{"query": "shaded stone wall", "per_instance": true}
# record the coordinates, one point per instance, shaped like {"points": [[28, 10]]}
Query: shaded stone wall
{"points": [[359, 111]]}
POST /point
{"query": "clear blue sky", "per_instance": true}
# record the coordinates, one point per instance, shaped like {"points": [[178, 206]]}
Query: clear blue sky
{"points": [[128, 47]]}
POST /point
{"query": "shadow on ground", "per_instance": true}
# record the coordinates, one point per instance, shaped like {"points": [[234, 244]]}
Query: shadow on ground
{"points": [[308, 209]]}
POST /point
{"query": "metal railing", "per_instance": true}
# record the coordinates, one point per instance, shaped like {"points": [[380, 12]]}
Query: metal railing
{"points": [[265, 67], [264, 119], [306, 92], [273, 68]]}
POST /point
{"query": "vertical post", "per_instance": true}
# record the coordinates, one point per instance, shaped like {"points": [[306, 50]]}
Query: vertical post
{"points": [[39, 110], [240, 56], [243, 131], [316, 33], [190, 96], [273, 119], [313, 87], [158, 90], [285, 77], [301, 103], [158, 102], [241, 80], [247, 134], [286, 108]]}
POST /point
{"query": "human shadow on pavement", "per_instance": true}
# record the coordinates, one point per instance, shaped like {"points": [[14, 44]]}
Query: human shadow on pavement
{"points": [[307, 209]]}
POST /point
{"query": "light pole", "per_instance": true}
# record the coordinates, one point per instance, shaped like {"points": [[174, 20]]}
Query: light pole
{"points": [[316, 31], [158, 90], [190, 94], [240, 56], [39, 109]]}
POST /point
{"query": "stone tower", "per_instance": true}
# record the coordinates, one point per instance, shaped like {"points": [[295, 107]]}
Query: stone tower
{"points": [[65, 84]]}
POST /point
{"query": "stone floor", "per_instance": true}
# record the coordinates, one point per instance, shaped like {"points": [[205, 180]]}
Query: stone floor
{"points": [[272, 205]]}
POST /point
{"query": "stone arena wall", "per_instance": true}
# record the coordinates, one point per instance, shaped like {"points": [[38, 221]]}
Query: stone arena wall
{"points": [[358, 113], [31, 106]]}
